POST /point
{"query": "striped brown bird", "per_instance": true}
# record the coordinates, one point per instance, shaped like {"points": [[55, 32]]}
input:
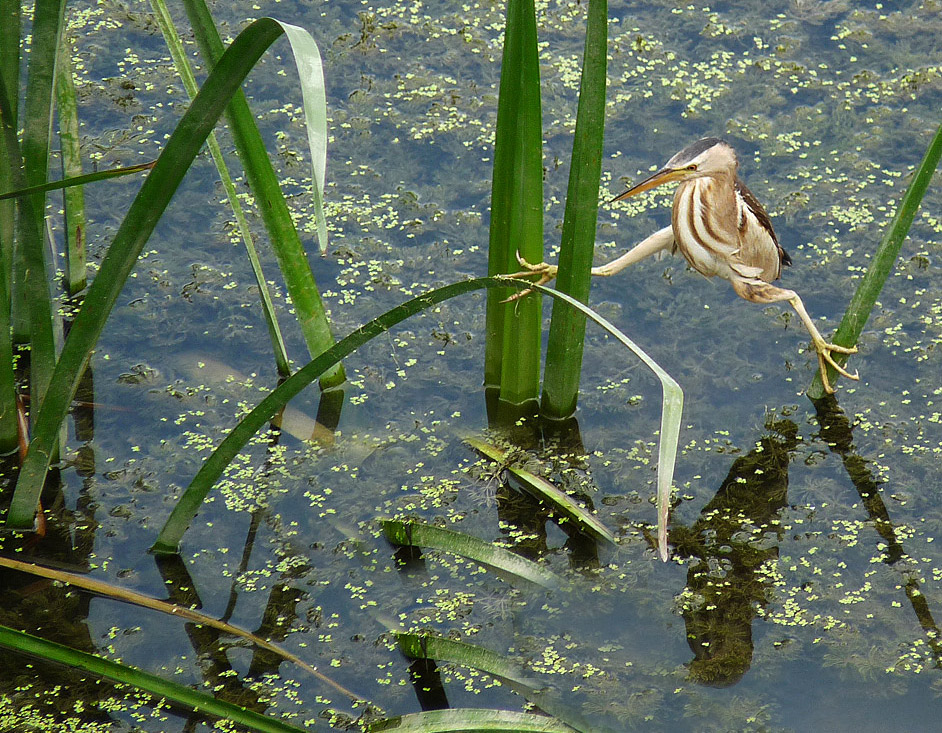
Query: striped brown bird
{"points": [[722, 231]]}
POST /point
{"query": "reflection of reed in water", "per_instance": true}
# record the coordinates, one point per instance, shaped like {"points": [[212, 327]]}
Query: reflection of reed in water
{"points": [[724, 584], [837, 433]]}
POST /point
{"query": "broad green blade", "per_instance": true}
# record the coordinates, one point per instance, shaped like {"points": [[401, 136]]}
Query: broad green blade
{"points": [[512, 351], [419, 534], [159, 688], [540, 488], [185, 71], [861, 305], [30, 282], [169, 539], [471, 719], [567, 328], [138, 224], [261, 177]]}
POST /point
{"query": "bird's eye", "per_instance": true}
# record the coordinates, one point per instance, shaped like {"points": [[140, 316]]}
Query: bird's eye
{"points": [[692, 167]]}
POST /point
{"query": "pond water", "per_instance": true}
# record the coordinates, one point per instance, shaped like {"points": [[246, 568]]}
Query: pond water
{"points": [[806, 576]]}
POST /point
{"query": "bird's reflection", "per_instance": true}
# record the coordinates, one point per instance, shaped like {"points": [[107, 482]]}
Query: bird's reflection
{"points": [[731, 541]]}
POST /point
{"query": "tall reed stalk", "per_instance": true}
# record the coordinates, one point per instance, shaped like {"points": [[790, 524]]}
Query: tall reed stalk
{"points": [[567, 328], [512, 352]]}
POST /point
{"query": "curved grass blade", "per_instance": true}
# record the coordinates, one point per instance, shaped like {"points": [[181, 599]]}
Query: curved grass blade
{"points": [[672, 407], [138, 224], [79, 180], [540, 488], [420, 534], [471, 719], [261, 177], [861, 305], [427, 646], [171, 609], [307, 59], [185, 71], [160, 688], [169, 538]]}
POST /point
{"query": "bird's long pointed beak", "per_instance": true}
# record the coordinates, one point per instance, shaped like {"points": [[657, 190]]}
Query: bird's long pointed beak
{"points": [[665, 175]]}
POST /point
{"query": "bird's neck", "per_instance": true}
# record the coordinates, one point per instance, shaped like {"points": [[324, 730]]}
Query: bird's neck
{"points": [[718, 192]]}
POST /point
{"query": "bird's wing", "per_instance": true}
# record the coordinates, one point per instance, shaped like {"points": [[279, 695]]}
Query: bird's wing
{"points": [[760, 255]]}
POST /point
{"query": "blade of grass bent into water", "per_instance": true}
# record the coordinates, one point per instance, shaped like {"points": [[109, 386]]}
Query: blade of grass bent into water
{"points": [[168, 540], [420, 534], [152, 684], [465, 719], [540, 488], [429, 646], [672, 407]]}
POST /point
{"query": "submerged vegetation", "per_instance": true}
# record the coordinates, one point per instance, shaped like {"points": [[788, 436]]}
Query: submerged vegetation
{"points": [[411, 571]]}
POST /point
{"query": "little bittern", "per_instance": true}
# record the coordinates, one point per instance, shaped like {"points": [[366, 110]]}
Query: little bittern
{"points": [[721, 230]]}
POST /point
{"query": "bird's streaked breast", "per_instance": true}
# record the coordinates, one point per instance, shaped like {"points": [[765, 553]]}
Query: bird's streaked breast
{"points": [[699, 231], [723, 231]]}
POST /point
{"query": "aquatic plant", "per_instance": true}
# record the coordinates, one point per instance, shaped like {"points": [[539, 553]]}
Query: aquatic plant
{"points": [[54, 381]]}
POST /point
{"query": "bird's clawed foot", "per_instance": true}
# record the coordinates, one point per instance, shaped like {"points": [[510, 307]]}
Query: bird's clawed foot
{"points": [[545, 271], [824, 349]]}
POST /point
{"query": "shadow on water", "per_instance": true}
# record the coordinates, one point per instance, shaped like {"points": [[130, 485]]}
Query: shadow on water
{"points": [[738, 533], [728, 545], [837, 433]]}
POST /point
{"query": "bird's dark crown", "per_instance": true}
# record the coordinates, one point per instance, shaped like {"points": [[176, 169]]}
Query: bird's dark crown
{"points": [[690, 153]]}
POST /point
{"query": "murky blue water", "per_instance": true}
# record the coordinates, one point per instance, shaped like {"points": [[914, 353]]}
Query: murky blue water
{"points": [[792, 590]]}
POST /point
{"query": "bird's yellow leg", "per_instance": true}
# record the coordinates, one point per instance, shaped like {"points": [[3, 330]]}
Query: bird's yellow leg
{"points": [[546, 271], [757, 291], [822, 347]]}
